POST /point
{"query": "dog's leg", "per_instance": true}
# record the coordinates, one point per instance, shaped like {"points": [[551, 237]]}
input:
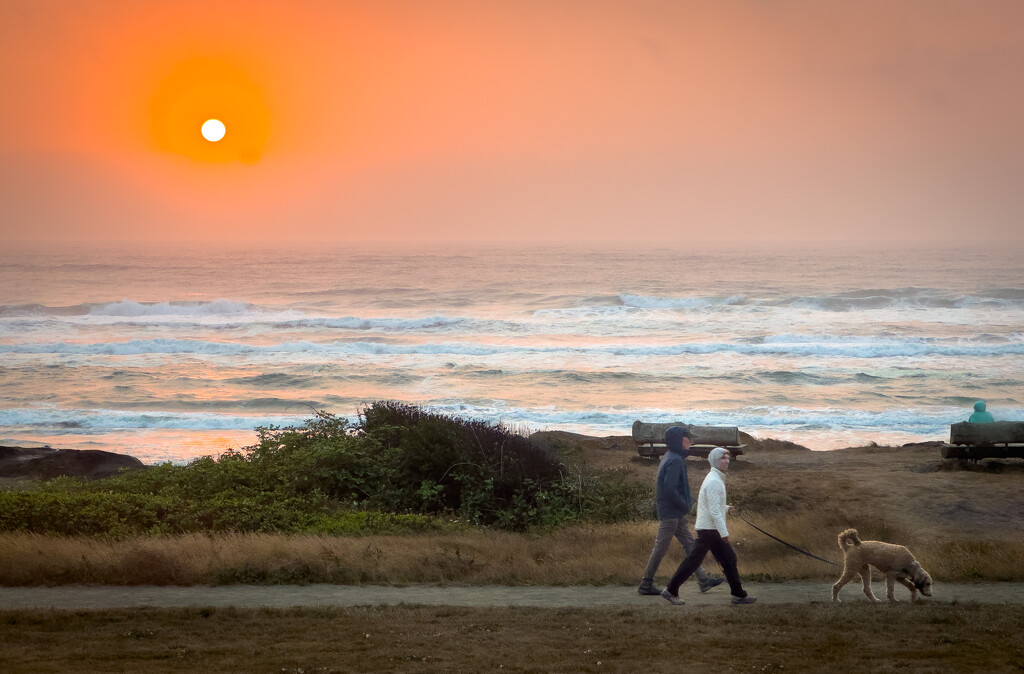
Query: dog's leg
{"points": [[848, 575], [890, 587], [910, 586], [865, 575]]}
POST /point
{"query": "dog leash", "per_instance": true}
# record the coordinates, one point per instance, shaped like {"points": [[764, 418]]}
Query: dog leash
{"points": [[788, 545]]}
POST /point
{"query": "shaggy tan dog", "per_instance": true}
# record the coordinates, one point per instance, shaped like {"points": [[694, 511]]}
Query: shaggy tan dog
{"points": [[895, 561]]}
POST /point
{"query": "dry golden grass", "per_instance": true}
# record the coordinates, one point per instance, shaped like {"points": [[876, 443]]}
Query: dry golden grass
{"points": [[922, 638], [606, 554], [600, 554]]}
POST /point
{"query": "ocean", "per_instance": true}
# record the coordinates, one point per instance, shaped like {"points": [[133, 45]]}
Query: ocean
{"points": [[169, 353]]}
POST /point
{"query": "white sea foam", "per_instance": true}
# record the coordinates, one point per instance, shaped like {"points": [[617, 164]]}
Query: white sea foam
{"points": [[922, 303], [226, 313], [647, 302], [88, 421], [788, 345], [133, 309], [385, 324]]}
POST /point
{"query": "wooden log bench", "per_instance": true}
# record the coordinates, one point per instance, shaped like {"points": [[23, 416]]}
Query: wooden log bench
{"points": [[996, 440], [650, 438]]}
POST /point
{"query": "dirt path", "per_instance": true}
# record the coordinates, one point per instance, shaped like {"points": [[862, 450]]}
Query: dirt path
{"points": [[86, 597]]}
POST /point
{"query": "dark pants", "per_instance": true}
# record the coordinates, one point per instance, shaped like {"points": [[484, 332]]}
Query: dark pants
{"points": [[709, 540]]}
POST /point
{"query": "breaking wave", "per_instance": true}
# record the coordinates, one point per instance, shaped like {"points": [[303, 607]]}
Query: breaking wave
{"points": [[781, 345], [133, 309]]}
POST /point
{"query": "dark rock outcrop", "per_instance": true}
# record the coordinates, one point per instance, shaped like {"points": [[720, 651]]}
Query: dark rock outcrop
{"points": [[45, 463]]}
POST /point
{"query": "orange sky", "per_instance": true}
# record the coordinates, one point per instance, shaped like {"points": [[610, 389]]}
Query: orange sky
{"points": [[436, 121]]}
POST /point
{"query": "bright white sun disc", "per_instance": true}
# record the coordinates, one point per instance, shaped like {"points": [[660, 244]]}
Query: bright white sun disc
{"points": [[213, 130]]}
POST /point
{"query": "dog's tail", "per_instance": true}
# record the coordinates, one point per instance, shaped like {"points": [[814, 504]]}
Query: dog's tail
{"points": [[848, 537]]}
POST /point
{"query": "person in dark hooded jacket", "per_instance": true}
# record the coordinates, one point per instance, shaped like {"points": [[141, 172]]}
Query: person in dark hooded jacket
{"points": [[674, 503]]}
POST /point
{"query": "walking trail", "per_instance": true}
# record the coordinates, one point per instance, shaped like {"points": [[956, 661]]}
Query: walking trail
{"points": [[95, 597]]}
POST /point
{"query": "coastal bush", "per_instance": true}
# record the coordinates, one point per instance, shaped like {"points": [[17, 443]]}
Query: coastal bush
{"points": [[334, 477], [482, 471], [108, 513], [326, 455]]}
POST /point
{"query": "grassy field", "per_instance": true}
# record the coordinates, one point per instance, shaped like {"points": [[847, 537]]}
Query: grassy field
{"points": [[781, 638], [595, 554]]}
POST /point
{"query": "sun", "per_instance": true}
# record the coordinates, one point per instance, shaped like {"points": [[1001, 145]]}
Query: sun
{"points": [[218, 98], [213, 130]]}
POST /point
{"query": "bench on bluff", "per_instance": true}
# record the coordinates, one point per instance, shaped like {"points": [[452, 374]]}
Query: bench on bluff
{"points": [[650, 438], [996, 440]]}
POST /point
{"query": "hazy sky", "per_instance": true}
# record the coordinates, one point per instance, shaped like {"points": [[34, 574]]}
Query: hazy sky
{"points": [[639, 121]]}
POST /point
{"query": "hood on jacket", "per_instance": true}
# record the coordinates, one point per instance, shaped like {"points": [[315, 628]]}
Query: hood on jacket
{"points": [[674, 438]]}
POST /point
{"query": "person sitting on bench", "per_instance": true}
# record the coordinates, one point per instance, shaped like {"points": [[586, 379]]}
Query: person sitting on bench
{"points": [[980, 416]]}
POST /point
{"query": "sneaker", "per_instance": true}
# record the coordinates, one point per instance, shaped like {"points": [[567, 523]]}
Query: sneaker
{"points": [[672, 599], [743, 600], [647, 587], [709, 582]]}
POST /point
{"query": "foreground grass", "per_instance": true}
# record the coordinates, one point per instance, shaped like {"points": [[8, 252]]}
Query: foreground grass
{"points": [[593, 554], [928, 637]]}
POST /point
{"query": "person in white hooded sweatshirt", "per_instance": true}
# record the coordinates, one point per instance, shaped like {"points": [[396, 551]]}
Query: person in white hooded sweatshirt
{"points": [[712, 534]]}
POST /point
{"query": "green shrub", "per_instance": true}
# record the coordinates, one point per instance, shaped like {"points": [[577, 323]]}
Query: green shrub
{"points": [[484, 472], [399, 469], [118, 514]]}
